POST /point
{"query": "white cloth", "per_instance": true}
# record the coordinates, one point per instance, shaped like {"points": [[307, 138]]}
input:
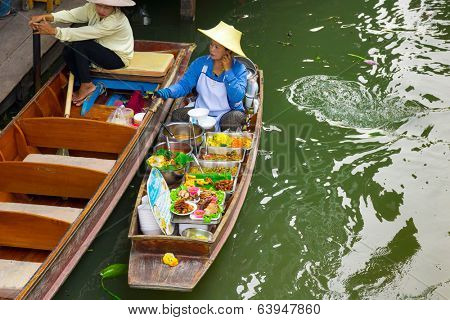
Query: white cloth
{"points": [[212, 95]]}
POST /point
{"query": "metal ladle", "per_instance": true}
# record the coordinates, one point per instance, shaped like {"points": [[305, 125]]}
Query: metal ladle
{"points": [[167, 129]]}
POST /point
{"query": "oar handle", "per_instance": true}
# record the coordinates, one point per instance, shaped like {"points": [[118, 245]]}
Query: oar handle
{"points": [[69, 96]]}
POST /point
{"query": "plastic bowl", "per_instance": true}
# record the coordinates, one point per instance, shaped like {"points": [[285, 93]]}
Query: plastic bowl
{"points": [[207, 122], [198, 113]]}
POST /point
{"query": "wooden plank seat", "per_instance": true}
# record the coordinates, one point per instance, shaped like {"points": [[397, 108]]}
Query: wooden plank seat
{"points": [[34, 226], [49, 179], [101, 165], [14, 275], [76, 134], [150, 64]]}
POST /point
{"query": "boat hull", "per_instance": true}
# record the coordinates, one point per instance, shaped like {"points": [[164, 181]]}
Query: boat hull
{"points": [[61, 261], [146, 269]]}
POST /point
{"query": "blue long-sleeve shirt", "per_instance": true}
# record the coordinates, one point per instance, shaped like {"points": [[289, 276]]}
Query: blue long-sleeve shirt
{"points": [[235, 80]]}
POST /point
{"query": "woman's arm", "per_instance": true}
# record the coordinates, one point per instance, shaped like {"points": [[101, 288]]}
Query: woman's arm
{"points": [[235, 80], [104, 28], [76, 15], [189, 80]]}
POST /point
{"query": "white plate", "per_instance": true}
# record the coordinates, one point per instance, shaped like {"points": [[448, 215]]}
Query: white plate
{"points": [[188, 213]]}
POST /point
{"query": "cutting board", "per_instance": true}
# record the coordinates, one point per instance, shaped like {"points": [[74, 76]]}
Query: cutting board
{"points": [[152, 64]]}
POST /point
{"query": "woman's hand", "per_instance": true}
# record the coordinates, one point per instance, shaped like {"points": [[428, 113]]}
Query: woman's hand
{"points": [[45, 28], [163, 93], [35, 20], [227, 61]]}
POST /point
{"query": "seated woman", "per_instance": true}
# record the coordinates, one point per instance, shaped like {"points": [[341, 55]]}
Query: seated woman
{"points": [[107, 40], [219, 79]]}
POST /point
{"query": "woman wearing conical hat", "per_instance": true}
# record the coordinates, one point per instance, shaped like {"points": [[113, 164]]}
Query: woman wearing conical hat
{"points": [[219, 79], [107, 40]]}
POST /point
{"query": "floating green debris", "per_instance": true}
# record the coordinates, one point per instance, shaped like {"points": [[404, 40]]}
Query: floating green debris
{"points": [[367, 61], [285, 44], [113, 271]]}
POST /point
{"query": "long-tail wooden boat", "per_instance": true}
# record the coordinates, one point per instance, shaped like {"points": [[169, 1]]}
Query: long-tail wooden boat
{"points": [[146, 269], [52, 206]]}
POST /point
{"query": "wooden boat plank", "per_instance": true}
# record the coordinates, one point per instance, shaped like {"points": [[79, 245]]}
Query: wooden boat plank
{"points": [[30, 230], [8, 146], [101, 165], [49, 179], [14, 275], [78, 134], [182, 277]]}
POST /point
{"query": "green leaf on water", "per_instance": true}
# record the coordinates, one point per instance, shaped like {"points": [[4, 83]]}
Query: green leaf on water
{"points": [[113, 271]]}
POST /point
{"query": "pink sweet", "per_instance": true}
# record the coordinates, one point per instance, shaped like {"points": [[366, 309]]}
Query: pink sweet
{"points": [[199, 213], [193, 191]]}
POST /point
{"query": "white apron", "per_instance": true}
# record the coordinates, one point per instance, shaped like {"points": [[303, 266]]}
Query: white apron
{"points": [[212, 95]]}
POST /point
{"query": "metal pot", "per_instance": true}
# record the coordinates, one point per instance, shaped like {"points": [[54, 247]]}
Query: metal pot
{"points": [[183, 133], [174, 177], [175, 146]]}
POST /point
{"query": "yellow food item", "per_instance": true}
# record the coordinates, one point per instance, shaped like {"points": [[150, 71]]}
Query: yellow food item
{"points": [[156, 161], [190, 183], [170, 260], [219, 140]]}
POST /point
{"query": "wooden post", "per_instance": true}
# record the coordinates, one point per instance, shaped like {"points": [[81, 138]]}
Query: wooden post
{"points": [[187, 9], [37, 61]]}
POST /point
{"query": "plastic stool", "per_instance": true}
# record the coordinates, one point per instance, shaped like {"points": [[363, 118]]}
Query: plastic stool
{"points": [[50, 4]]}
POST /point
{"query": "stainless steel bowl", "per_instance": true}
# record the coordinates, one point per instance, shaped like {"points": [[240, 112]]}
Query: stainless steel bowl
{"points": [[183, 132], [197, 234], [175, 146], [174, 177]]}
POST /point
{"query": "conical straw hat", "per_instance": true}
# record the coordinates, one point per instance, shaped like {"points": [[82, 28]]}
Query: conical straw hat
{"points": [[227, 36], [114, 3]]}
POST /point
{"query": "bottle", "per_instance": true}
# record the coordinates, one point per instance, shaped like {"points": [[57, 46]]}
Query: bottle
{"points": [[251, 92]]}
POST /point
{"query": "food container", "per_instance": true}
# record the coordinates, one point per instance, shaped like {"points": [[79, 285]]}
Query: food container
{"points": [[192, 204], [197, 234], [174, 147], [217, 164], [183, 133], [232, 134], [174, 177], [138, 117], [220, 150], [184, 226], [227, 193]]}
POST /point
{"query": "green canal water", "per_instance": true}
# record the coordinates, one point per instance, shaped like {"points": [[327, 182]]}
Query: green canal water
{"points": [[350, 197]]}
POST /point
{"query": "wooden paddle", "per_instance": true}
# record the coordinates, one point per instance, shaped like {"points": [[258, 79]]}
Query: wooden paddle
{"points": [[65, 152]]}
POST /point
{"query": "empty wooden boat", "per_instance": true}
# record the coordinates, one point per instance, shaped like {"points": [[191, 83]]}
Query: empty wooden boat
{"points": [[52, 206], [146, 268]]}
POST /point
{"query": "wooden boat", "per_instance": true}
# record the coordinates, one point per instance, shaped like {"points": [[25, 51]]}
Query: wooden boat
{"points": [[146, 269], [52, 207]]}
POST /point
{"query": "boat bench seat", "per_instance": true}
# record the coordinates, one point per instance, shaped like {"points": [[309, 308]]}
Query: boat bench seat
{"points": [[65, 214], [88, 163], [150, 64], [14, 275], [34, 226]]}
